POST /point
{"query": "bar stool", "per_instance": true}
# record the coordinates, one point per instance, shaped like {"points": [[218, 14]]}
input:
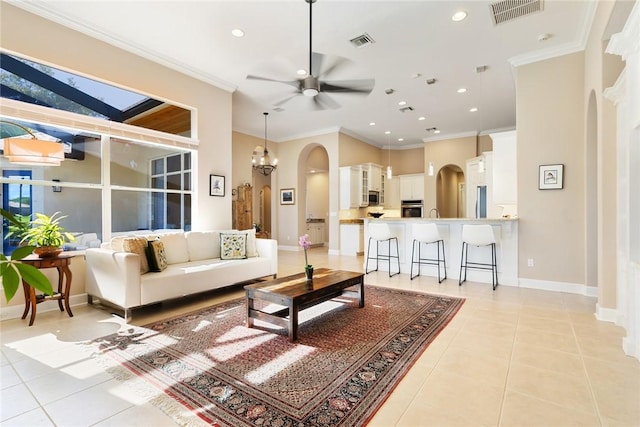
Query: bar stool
{"points": [[427, 234], [478, 235], [381, 233]]}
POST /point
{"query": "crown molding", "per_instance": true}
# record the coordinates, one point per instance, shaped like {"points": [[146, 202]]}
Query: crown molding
{"points": [[564, 49], [41, 9]]}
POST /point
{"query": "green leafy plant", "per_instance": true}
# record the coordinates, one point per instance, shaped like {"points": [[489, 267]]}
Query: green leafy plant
{"points": [[18, 229], [46, 231], [13, 271]]}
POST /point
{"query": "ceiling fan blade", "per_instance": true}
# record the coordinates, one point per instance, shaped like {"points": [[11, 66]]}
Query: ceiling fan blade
{"points": [[285, 100], [294, 83], [337, 62], [326, 101], [364, 86]]}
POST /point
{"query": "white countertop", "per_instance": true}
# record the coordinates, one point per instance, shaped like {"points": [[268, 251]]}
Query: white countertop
{"points": [[481, 220]]}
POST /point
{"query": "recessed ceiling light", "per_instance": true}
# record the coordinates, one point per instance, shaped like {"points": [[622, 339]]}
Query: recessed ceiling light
{"points": [[237, 32], [387, 132], [436, 131], [402, 103], [473, 110], [459, 16], [372, 123], [301, 72], [400, 139], [422, 118], [462, 90]]}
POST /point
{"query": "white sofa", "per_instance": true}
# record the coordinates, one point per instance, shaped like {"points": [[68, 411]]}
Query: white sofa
{"points": [[193, 265]]}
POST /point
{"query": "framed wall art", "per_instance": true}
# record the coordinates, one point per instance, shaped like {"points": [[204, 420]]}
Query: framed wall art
{"points": [[551, 177], [216, 185], [287, 196]]}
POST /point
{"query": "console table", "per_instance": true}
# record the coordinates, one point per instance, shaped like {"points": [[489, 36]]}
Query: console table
{"points": [[61, 263]]}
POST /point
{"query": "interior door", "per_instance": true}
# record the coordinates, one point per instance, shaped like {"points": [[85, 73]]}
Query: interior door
{"points": [[16, 199]]}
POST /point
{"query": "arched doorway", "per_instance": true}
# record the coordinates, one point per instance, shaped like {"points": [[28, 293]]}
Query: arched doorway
{"points": [[450, 194], [315, 204], [262, 202]]}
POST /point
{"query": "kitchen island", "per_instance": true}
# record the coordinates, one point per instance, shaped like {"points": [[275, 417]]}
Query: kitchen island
{"points": [[505, 230]]}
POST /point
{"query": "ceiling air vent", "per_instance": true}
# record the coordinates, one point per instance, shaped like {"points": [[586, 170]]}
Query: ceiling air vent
{"points": [[507, 10], [362, 41], [407, 108]]}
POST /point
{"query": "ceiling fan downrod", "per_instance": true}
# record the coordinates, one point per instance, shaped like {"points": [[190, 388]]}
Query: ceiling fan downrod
{"points": [[310, 85]]}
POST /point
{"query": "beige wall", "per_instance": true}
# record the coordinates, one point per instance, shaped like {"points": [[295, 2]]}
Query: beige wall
{"points": [[549, 113], [67, 49], [352, 151], [405, 162]]}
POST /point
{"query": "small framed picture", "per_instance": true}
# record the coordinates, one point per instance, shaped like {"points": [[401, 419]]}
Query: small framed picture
{"points": [[216, 185], [287, 196], [550, 177]]}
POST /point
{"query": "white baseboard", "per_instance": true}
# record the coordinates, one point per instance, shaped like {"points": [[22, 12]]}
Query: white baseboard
{"points": [[570, 288], [606, 314], [15, 311]]}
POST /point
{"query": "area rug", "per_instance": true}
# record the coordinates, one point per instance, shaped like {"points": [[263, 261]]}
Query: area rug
{"points": [[346, 362]]}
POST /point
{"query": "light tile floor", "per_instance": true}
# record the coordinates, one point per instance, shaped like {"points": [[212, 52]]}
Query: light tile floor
{"points": [[513, 357]]}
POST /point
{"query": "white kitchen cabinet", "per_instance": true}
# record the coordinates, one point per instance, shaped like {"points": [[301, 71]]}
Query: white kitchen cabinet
{"points": [[315, 230], [363, 172], [351, 239], [392, 193], [375, 175], [412, 187], [350, 187]]}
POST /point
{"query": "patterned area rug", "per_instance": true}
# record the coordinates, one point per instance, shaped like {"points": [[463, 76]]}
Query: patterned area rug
{"points": [[346, 362]]}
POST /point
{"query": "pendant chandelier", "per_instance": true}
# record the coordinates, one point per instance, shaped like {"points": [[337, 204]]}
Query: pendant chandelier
{"points": [[31, 151], [389, 169], [262, 162]]}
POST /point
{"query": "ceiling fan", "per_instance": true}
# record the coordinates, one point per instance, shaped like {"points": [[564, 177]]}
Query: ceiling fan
{"points": [[315, 85]]}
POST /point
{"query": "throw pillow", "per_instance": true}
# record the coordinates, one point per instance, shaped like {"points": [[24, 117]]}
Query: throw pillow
{"points": [[138, 246], [252, 250], [157, 258], [233, 246]]}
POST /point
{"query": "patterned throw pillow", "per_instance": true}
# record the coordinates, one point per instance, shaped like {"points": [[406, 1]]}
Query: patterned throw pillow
{"points": [[156, 256], [233, 246], [137, 245]]}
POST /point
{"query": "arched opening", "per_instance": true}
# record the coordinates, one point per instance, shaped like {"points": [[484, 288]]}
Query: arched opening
{"points": [[316, 200], [450, 192], [262, 204]]}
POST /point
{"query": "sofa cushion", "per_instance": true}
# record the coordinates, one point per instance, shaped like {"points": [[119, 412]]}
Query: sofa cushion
{"points": [[156, 255], [137, 245], [175, 247], [203, 245], [233, 245]]}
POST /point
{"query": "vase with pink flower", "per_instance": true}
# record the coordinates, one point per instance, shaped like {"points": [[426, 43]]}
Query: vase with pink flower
{"points": [[306, 244]]}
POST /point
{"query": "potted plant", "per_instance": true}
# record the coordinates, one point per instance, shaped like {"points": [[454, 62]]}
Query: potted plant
{"points": [[47, 235], [13, 271]]}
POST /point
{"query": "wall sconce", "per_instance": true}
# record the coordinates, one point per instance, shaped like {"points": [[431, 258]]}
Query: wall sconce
{"points": [[56, 188]]}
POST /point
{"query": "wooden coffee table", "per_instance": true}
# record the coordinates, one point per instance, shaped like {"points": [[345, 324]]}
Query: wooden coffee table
{"points": [[295, 293]]}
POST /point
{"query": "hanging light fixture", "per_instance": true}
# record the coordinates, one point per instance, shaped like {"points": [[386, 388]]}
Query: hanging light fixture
{"points": [[389, 170], [262, 163], [480, 70], [33, 151]]}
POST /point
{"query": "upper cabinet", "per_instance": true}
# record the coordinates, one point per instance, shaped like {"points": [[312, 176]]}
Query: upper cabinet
{"points": [[354, 187], [392, 193], [505, 176], [412, 187], [375, 177]]}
